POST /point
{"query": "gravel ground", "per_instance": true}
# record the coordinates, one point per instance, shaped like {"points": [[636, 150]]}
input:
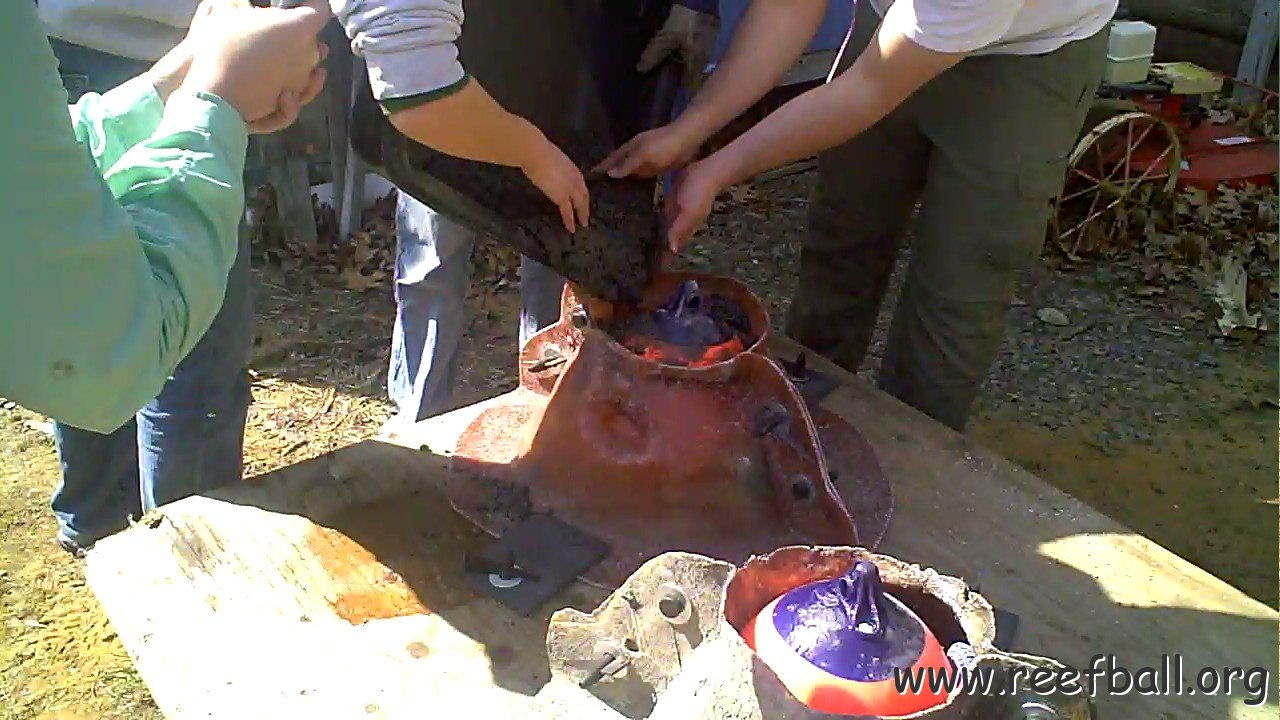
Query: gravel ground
{"points": [[1119, 354]]}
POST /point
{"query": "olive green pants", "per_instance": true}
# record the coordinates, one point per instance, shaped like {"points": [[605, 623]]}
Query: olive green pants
{"points": [[982, 149]]}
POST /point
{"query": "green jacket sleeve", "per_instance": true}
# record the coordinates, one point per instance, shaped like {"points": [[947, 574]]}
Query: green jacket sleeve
{"points": [[111, 123], [108, 277]]}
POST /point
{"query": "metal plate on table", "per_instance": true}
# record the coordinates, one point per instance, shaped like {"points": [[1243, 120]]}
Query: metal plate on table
{"points": [[533, 562]]}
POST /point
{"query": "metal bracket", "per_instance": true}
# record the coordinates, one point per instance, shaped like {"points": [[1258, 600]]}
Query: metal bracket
{"points": [[813, 386], [533, 562]]}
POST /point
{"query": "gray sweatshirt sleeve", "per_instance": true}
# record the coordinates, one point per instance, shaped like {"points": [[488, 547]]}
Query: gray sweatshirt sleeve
{"points": [[410, 46]]}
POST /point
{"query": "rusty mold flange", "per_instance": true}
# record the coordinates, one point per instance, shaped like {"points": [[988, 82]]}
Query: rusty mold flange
{"points": [[724, 459]]}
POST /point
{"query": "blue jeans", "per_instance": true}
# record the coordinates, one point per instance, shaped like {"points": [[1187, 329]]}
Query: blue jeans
{"points": [[433, 269], [187, 440]]}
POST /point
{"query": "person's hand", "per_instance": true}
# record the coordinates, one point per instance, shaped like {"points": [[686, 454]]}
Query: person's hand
{"points": [[291, 102], [651, 153], [686, 32], [552, 172], [687, 207], [264, 62], [169, 72]]}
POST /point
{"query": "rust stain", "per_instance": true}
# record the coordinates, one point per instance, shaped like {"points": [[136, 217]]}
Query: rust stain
{"points": [[418, 650], [364, 591], [397, 557]]}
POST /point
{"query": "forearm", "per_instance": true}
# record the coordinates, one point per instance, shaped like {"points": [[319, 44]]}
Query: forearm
{"points": [[881, 79], [470, 124], [766, 44], [815, 121]]}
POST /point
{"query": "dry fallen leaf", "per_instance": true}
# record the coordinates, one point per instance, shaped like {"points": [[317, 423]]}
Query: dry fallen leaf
{"points": [[363, 249], [1053, 316], [1230, 293], [742, 194], [1185, 238], [355, 280], [1221, 116]]}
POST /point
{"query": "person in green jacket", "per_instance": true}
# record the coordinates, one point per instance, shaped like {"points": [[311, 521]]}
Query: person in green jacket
{"points": [[120, 218]]}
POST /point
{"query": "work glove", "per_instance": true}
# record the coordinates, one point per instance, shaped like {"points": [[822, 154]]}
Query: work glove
{"points": [[688, 33]]}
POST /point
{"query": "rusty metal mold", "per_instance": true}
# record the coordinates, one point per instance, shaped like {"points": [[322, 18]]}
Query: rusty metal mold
{"points": [[722, 459]]}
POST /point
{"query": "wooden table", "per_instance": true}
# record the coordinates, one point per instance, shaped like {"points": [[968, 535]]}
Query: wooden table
{"points": [[333, 588]]}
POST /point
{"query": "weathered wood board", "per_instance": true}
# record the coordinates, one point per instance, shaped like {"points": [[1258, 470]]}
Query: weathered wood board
{"points": [[333, 588], [1259, 51]]}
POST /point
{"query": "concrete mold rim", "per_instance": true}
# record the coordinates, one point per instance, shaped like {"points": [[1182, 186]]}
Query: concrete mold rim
{"points": [[700, 667]]}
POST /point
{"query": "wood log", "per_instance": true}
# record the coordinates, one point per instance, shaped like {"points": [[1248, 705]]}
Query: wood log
{"points": [[1224, 19]]}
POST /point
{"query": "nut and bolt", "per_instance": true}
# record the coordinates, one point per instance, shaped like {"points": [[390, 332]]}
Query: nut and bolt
{"points": [[769, 418], [609, 660], [596, 672], [550, 358]]}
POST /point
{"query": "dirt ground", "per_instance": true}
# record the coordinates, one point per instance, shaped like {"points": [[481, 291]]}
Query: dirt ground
{"points": [[1131, 406]]}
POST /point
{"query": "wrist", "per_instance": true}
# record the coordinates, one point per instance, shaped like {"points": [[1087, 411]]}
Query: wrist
{"points": [[208, 78], [169, 72], [164, 81], [530, 145], [723, 168], [694, 126], [698, 122], [164, 86]]}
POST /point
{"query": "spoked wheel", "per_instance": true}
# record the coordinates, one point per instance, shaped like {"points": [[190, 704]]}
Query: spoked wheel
{"points": [[1132, 155]]}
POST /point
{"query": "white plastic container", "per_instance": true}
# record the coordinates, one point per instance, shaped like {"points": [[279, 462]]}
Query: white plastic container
{"points": [[1129, 53]]}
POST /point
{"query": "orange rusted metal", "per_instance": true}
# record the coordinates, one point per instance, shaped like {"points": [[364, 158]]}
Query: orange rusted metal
{"points": [[714, 453]]}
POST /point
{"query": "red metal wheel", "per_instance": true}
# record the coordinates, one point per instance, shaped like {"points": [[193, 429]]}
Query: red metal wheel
{"points": [[1121, 160]]}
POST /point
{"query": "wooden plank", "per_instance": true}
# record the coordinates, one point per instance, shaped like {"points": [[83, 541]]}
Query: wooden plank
{"points": [[1083, 584], [288, 172], [357, 614], [333, 589], [1259, 50]]}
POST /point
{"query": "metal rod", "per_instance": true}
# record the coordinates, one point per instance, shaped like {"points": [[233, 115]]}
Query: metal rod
{"points": [[597, 671]]}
